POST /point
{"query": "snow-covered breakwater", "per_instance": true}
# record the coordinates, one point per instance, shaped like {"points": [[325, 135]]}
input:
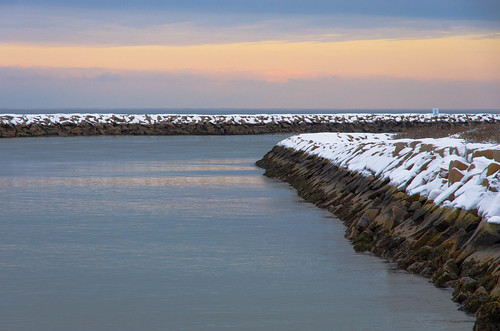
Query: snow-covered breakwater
{"points": [[18, 125], [448, 171], [431, 205]]}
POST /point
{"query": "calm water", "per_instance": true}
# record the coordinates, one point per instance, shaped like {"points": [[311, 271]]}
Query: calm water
{"points": [[184, 233]]}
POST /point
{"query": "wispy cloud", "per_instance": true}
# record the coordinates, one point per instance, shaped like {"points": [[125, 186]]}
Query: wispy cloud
{"points": [[90, 26], [84, 88], [441, 58]]}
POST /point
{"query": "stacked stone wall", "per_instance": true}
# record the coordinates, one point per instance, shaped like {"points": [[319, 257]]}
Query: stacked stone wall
{"points": [[452, 247], [39, 129]]}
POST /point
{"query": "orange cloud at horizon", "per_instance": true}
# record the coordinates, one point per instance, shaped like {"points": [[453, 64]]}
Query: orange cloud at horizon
{"points": [[454, 58]]}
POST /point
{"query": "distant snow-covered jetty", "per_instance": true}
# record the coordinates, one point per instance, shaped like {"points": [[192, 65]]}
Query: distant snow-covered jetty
{"points": [[26, 125]]}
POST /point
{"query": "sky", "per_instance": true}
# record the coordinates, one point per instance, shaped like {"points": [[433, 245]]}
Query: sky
{"points": [[346, 54]]}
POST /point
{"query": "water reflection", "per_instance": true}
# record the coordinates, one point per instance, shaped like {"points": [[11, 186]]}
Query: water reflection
{"points": [[136, 233], [208, 165], [131, 182]]}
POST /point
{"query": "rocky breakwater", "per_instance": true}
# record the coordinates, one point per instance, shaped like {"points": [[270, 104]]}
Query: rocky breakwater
{"points": [[16, 125], [430, 205]]}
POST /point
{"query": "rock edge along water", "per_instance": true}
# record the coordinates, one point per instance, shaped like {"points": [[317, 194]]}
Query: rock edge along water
{"points": [[15, 125], [450, 246]]}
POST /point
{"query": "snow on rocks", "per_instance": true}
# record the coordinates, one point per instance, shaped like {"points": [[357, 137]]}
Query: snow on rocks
{"points": [[149, 119], [448, 171]]}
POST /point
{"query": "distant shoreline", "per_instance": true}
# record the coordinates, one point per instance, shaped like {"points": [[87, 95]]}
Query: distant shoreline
{"points": [[92, 124], [239, 111]]}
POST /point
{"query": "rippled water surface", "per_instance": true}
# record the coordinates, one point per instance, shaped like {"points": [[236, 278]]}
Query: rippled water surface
{"points": [[184, 233]]}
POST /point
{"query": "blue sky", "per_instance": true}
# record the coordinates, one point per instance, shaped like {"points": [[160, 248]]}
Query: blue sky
{"points": [[449, 9]]}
